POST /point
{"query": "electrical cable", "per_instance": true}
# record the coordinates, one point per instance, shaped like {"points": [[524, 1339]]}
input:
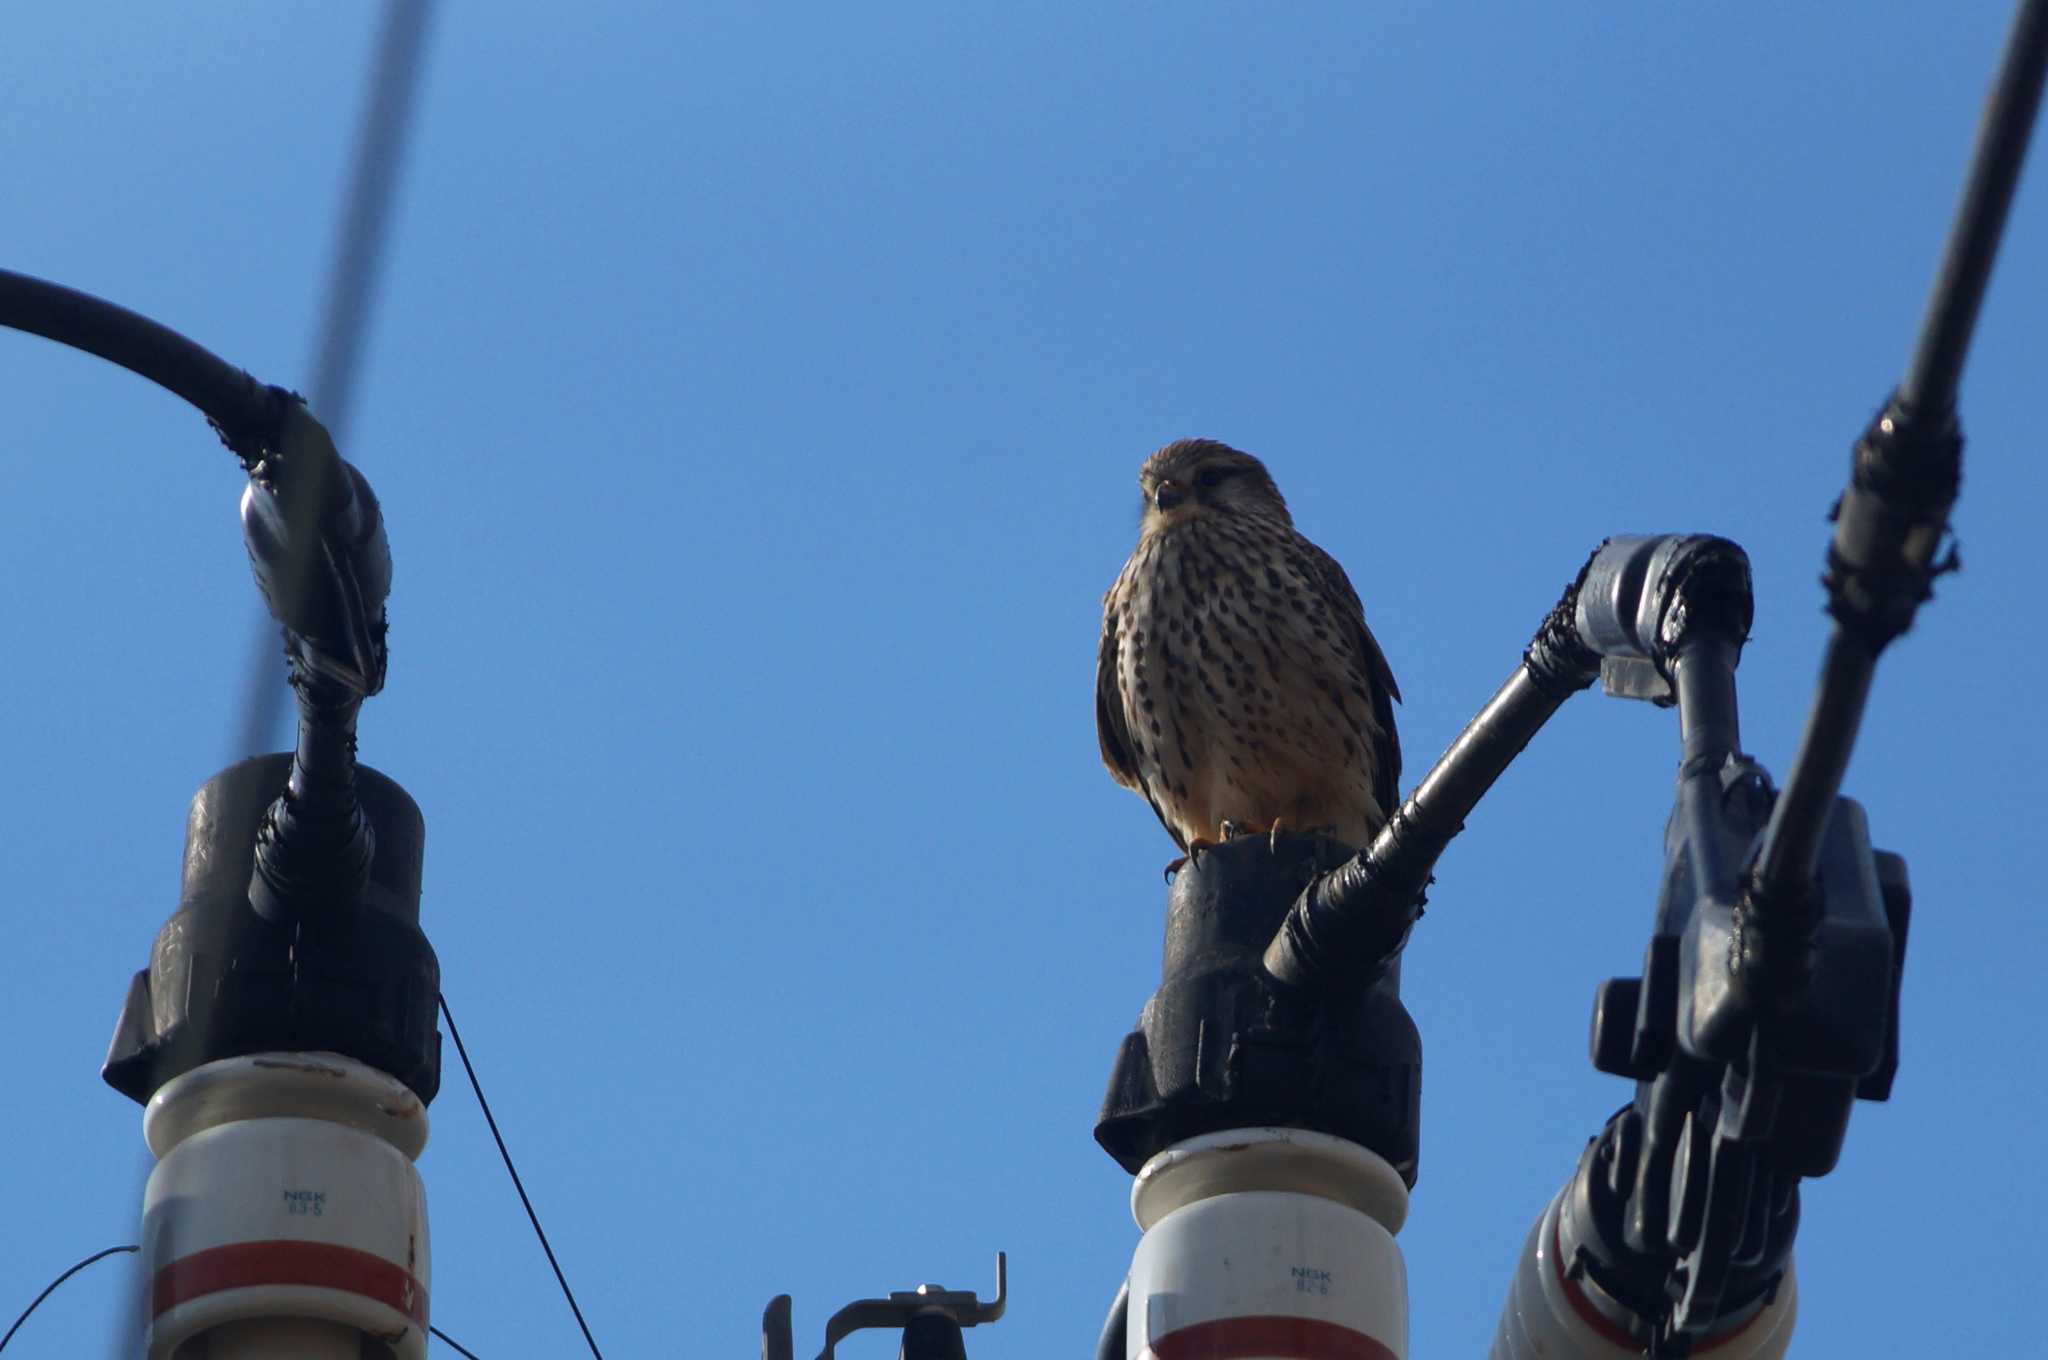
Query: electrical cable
{"points": [[51, 1288], [1348, 926], [1972, 247], [247, 414], [459, 1347], [513, 1171], [1894, 513], [244, 411]]}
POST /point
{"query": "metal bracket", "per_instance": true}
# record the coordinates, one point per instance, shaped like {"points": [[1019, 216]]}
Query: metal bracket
{"points": [[962, 1307]]}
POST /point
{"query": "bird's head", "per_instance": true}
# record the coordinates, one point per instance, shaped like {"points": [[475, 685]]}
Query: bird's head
{"points": [[1193, 478]]}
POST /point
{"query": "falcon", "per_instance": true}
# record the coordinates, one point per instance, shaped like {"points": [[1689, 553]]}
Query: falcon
{"points": [[1237, 687]]}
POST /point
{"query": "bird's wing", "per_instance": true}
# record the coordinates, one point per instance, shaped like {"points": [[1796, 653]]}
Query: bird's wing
{"points": [[1109, 703], [1379, 676], [1111, 729]]}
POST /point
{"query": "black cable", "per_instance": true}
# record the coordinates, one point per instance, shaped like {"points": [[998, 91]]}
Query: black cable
{"points": [[1346, 927], [246, 412], [1904, 477], [366, 210], [513, 1171], [51, 1288], [1111, 1345], [1937, 363], [460, 1348], [1791, 847]]}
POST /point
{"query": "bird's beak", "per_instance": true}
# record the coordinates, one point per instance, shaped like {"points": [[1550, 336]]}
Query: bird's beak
{"points": [[1168, 494]]}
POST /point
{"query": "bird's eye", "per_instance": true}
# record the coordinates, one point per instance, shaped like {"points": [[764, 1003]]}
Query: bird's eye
{"points": [[1209, 478]]}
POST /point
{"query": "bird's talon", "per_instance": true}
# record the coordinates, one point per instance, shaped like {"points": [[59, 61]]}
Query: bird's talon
{"points": [[1193, 856]]}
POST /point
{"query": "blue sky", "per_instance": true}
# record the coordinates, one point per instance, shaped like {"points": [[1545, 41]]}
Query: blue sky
{"points": [[755, 399]]}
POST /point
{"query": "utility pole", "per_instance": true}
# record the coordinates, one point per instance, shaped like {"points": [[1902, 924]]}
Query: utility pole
{"points": [[283, 1037], [1268, 1102]]}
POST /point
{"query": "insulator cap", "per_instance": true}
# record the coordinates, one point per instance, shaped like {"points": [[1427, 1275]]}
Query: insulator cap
{"points": [[223, 981]]}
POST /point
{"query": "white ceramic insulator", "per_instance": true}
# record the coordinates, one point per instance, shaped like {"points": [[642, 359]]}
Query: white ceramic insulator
{"points": [[1548, 1317], [284, 1217], [1268, 1244]]}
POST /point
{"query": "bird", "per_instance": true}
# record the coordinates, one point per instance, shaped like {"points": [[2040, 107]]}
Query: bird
{"points": [[1237, 687]]}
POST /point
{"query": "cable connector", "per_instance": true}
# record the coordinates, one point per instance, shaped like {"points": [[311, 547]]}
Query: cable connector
{"points": [[316, 543], [1891, 524], [1643, 597]]}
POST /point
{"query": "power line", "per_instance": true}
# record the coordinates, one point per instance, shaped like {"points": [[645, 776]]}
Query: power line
{"points": [[351, 289], [51, 1288], [531, 1216]]}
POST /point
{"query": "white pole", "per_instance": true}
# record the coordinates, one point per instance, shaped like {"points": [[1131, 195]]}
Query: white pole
{"points": [[284, 1220], [1268, 1244], [1552, 1316]]}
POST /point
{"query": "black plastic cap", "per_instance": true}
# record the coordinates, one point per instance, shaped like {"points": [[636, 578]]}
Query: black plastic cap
{"points": [[220, 837], [223, 981], [1221, 1045], [1898, 910], [1631, 1285]]}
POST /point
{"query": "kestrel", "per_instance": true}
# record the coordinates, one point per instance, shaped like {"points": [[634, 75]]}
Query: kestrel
{"points": [[1237, 685]]}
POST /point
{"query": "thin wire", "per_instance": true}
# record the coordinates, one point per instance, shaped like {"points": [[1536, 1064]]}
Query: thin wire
{"points": [[132, 1318], [52, 1288], [531, 1217], [453, 1342], [114, 1251]]}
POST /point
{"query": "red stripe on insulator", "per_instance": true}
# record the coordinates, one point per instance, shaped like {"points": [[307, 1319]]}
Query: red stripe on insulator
{"points": [[1603, 1326], [243, 1265], [1295, 1338], [1608, 1330]]}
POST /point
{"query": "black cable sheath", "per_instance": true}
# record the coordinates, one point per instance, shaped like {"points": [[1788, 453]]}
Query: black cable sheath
{"points": [[1791, 849], [245, 411], [517, 1184], [1116, 1327], [1347, 926], [1710, 731], [1952, 305], [1905, 476]]}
